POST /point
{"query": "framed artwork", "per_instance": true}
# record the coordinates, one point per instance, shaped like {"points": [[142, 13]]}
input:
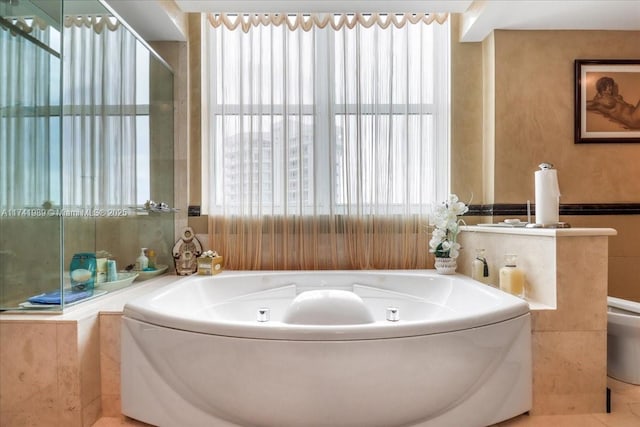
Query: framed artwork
{"points": [[607, 100]]}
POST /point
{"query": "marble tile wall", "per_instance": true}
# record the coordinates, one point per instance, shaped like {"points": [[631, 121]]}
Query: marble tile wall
{"points": [[624, 252], [88, 339], [50, 373], [568, 343], [39, 371], [538, 264], [496, 144], [110, 363]]}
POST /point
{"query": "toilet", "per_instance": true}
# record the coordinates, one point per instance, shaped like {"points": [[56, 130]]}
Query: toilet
{"points": [[623, 340]]}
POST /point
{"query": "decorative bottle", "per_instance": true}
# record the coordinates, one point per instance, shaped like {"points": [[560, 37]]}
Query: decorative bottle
{"points": [[142, 262], [512, 277], [151, 254], [479, 267]]}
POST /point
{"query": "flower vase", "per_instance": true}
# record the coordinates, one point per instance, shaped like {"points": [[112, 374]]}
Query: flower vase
{"points": [[446, 265]]}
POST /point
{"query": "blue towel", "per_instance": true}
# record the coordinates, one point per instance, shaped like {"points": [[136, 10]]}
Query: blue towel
{"points": [[54, 297]]}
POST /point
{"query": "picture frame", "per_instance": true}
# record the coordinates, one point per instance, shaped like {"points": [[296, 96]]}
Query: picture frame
{"points": [[607, 101]]}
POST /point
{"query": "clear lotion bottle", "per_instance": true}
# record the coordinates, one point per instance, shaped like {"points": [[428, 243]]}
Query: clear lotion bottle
{"points": [[512, 277], [142, 262]]}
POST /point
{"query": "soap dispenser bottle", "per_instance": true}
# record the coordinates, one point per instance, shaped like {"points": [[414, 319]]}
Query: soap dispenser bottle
{"points": [[479, 267], [142, 262], [512, 277]]}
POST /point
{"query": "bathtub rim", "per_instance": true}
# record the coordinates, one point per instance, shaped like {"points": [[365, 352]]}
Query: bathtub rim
{"points": [[512, 307]]}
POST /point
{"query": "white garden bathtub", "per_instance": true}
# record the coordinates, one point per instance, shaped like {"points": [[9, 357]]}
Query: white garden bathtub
{"points": [[328, 348]]}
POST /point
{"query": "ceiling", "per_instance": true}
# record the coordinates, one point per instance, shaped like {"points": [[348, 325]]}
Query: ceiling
{"points": [[156, 20], [482, 17]]}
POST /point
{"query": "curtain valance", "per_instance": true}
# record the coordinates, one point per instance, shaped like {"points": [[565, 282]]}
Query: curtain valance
{"points": [[309, 21], [22, 24], [98, 23]]}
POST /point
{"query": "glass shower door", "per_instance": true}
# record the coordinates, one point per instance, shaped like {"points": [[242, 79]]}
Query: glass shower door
{"points": [[30, 162]]}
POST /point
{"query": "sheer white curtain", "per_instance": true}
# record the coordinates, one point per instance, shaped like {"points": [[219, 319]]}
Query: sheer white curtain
{"points": [[99, 113], [29, 130], [325, 146], [95, 130]]}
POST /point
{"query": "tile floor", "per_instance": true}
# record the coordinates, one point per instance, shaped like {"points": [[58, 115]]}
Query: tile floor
{"points": [[625, 412]]}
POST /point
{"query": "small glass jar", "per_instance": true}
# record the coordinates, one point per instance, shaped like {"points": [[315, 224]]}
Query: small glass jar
{"points": [[512, 277]]}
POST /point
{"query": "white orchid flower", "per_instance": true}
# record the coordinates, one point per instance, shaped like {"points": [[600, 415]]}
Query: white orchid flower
{"points": [[454, 250], [446, 222]]}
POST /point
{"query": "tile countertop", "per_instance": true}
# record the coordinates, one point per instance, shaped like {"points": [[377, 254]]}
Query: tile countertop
{"points": [[112, 302], [551, 232]]}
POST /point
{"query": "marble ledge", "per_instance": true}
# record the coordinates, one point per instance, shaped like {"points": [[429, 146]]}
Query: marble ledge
{"points": [[112, 302], [539, 306], [547, 232]]}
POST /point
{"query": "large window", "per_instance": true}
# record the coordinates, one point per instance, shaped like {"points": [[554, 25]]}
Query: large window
{"points": [[325, 139], [326, 121]]}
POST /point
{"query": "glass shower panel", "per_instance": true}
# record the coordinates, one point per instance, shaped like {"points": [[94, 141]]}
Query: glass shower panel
{"points": [[30, 138], [86, 138], [125, 237], [122, 143]]}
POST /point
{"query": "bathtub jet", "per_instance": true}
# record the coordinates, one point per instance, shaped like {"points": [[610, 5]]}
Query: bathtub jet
{"points": [[327, 348]]}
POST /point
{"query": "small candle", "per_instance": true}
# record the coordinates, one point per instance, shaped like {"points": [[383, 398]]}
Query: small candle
{"points": [[512, 277]]}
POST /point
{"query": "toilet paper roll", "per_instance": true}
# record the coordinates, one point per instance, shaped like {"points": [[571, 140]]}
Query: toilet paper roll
{"points": [[547, 196]]}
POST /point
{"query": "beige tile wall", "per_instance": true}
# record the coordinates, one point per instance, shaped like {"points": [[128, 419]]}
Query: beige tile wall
{"points": [[88, 348], [525, 115], [50, 374], [568, 343], [110, 363], [624, 251], [29, 386], [569, 372], [540, 286], [534, 117]]}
